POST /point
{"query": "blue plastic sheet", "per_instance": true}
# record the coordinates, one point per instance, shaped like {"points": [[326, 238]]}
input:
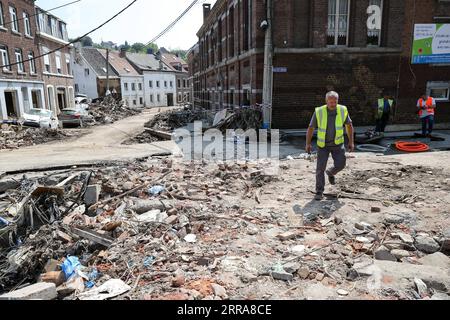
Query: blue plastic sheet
{"points": [[70, 267], [155, 190]]}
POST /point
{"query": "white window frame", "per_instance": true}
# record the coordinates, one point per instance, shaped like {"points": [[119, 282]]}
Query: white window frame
{"points": [[439, 85], [58, 62], [150, 83], [336, 22], [32, 62], [19, 60], [54, 26], [68, 64], [27, 24], [2, 21], [41, 18], [47, 60], [140, 86], [13, 16], [125, 85], [5, 57], [133, 86], [87, 72], [380, 30]]}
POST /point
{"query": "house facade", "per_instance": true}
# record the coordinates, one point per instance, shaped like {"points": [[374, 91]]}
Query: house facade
{"points": [[91, 73], [21, 81], [159, 79], [131, 82], [318, 45], [56, 65], [181, 70]]}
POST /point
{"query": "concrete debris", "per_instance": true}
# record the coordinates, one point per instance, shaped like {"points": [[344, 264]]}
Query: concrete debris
{"points": [[216, 232], [421, 287], [38, 291], [15, 137], [426, 244]]}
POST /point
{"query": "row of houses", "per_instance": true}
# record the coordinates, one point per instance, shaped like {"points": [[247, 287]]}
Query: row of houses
{"points": [[41, 69], [322, 45], [150, 80], [26, 32]]}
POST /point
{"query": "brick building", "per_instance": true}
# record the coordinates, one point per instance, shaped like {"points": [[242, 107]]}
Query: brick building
{"points": [[319, 45], [21, 84], [56, 66]]}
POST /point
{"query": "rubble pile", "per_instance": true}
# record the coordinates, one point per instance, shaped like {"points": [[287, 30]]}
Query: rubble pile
{"points": [[14, 137], [244, 119], [169, 230], [109, 111], [171, 120]]}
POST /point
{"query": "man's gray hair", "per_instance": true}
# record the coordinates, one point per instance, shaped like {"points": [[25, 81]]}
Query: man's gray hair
{"points": [[332, 94]]}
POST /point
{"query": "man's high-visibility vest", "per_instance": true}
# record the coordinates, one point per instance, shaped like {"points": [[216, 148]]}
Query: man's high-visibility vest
{"points": [[429, 105], [322, 124], [381, 106]]}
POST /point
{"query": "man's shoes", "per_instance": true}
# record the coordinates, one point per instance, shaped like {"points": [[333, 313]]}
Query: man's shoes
{"points": [[331, 178], [319, 196]]}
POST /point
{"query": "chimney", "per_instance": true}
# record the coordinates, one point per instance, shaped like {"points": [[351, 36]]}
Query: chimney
{"points": [[123, 53], [206, 11]]}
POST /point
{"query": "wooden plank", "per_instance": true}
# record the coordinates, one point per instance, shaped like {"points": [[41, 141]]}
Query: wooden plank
{"points": [[159, 134], [94, 236]]}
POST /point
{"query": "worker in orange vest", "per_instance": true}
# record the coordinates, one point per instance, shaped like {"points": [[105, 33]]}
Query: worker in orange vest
{"points": [[426, 107]]}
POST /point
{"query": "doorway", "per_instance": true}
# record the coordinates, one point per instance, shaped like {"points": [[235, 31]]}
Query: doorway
{"points": [[61, 100], [11, 104], [36, 99], [170, 100]]}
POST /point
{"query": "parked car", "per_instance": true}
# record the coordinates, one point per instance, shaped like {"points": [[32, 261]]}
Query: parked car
{"points": [[39, 118], [73, 117]]}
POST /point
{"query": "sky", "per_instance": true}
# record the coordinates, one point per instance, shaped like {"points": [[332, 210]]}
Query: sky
{"points": [[140, 23]]}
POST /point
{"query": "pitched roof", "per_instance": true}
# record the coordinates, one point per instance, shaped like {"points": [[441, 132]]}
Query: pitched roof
{"points": [[97, 62], [173, 61], [121, 65], [146, 62]]}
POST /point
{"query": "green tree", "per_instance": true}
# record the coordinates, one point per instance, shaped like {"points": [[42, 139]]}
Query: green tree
{"points": [[125, 46], [87, 42], [138, 47], [152, 46]]}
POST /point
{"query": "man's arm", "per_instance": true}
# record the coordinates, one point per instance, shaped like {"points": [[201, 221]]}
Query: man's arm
{"points": [[309, 136], [351, 136], [310, 133]]}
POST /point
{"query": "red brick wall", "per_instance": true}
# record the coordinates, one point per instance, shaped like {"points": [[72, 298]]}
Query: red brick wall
{"points": [[13, 41]]}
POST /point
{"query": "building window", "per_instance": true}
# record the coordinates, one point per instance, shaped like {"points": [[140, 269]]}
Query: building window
{"points": [[374, 35], [158, 98], [140, 86], [46, 60], [86, 72], [179, 97], [179, 83], [133, 87], [141, 102], [125, 85], [157, 84], [151, 98], [150, 83], [69, 69], [26, 21], [62, 30], [13, 16], [19, 60], [58, 62], [134, 102], [5, 57], [165, 84], [32, 62], [2, 21], [53, 26], [77, 88], [171, 84], [338, 21], [440, 91]]}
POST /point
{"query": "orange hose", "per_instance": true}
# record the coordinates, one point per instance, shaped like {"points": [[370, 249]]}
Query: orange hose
{"points": [[412, 146]]}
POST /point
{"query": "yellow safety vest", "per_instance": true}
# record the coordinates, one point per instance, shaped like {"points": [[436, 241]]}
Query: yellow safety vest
{"points": [[322, 124], [381, 106]]}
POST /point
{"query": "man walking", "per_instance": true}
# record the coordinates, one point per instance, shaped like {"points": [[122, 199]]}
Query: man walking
{"points": [[330, 121], [426, 106], [385, 106]]}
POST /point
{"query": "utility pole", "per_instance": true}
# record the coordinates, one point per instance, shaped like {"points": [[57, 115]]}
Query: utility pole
{"points": [[107, 73], [268, 67]]}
